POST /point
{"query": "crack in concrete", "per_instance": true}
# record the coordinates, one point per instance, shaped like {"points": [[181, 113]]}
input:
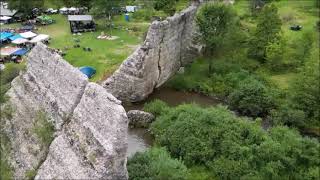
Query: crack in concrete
{"points": [[159, 57]]}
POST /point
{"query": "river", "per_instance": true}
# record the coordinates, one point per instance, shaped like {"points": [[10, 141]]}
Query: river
{"points": [[139, 139]]}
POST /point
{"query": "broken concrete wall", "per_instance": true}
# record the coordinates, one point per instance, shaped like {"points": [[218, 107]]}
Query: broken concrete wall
{"points": [[168, 46], [90, 124]]}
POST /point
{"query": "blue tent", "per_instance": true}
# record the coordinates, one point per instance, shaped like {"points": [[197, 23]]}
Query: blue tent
{"points": [[88, 71], [17, 36], [5, 35], [20, 52]]}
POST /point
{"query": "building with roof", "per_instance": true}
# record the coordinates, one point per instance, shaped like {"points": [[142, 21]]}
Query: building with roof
{"points": [[7, 12], [81, 23]]}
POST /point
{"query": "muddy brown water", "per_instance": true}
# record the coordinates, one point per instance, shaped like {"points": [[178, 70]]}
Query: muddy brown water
{"points": [[139, 139]]}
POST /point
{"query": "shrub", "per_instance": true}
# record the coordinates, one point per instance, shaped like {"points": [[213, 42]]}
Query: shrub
{"points": [[30, 174], [234, 148], [156, 163], [156, 107], [252, 98]]}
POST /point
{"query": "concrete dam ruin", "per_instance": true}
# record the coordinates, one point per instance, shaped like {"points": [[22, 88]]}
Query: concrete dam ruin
{"points": [[169, 45], [90, 124]]}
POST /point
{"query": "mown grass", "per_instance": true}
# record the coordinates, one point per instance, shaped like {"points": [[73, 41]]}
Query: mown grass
{"points": [[106, 55]]}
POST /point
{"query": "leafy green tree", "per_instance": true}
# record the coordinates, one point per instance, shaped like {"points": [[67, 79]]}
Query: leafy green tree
{"points": [[257, 5], [168, 6], [275, 55], [267, 31], [156, 163], [24, 6], [77, 3], [105, 8], [215, 20]]}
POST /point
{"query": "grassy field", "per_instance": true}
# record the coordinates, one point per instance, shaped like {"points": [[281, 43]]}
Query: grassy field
{"points": [[292, 12], [106, 55]]}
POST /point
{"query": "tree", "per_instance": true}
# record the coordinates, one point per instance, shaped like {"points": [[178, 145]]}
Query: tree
{"points": [[106, 9], [257, 5], [168, 6], [267, 31], [275, 54], [24, 6], [214, 20], [78, 3]]}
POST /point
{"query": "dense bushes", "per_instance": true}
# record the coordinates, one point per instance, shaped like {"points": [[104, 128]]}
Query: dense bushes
{"points": [[156, 163], [248, 93], [235, 148]]}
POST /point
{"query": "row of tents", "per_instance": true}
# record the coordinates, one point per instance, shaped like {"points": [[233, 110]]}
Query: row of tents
{"points": [[22, 43], [21, 38]]}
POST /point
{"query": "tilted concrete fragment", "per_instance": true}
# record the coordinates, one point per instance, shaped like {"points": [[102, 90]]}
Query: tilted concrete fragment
{"points": [[90, 124]]}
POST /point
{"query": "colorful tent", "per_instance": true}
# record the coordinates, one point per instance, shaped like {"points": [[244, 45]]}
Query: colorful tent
{"points": [[45, 19], [88, 71], [20, 52], [5, 35], [7, 51], [17, 36]]}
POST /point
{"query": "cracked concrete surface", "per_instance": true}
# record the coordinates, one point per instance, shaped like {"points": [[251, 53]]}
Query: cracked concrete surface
{"points": [[81, 112], [168, 46]]}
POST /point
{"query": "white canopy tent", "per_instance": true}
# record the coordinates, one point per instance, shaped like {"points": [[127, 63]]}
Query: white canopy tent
{"points": [[20, 41], [5, 18], [72, 9], [39, 38], [64, 9], [28, 34], [131, 8]]}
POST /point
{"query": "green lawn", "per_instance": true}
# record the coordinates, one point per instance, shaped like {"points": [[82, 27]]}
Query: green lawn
{"points": [[106, 55]]}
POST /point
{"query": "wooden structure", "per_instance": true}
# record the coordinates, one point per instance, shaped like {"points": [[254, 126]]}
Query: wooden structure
{"points": [[81, 23]]}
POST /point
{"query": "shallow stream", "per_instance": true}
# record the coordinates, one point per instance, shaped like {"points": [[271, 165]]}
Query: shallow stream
{"points": [[139, 139]]}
